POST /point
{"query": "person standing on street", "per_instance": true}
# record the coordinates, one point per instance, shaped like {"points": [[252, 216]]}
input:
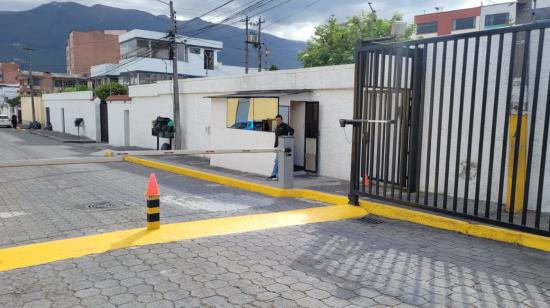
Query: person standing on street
{"points": [[282, 129], [14, 121]]}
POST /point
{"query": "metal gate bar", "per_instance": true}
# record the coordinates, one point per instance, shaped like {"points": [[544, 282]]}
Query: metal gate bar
{"points": [[456, 124]]}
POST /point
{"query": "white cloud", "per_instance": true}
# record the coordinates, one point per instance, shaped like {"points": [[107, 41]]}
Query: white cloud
{"points": [[297, 31]]}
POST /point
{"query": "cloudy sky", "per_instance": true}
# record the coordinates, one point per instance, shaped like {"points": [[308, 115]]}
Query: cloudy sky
{"points": [[294, 19]]}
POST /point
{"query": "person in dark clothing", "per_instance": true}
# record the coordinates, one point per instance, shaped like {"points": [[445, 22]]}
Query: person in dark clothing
{"points": [[14, 121], [282, 129]]}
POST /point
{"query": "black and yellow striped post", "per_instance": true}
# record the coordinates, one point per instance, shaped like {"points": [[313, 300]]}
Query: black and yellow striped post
{"points": [[153, 204]]}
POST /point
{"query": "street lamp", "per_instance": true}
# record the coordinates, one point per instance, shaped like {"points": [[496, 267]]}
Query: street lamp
{"points": [[31, 82]]}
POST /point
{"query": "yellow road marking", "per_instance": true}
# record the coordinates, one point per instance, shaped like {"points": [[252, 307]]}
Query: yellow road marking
{"points": [[41, 253], [375, 208]]}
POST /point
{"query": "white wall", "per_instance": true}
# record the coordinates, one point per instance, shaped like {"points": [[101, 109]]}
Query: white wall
{"points": [[204, 119], [76, 105], [482, 165], [331, 86], [142, 111]]}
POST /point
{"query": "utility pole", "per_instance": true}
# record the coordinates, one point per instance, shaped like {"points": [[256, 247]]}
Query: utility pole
{"points": [[175, 81], [260, 22], [31, 81], [267, 55], [524, 15], [246, 42]]}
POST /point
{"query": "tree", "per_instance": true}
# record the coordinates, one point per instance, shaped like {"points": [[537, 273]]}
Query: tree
{"points": [[107, 89], [273, 67], [334, 43], [14, 102]]}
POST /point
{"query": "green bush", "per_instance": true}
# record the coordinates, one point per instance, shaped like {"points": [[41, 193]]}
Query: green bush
{"points": [[108, 89], [76, 88]]}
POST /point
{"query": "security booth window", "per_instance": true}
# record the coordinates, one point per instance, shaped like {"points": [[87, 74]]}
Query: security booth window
{"points": [[248, 113]]}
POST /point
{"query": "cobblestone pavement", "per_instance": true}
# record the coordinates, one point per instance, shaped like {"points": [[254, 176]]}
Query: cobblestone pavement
{"points": [[339, 264], [53, 202]]}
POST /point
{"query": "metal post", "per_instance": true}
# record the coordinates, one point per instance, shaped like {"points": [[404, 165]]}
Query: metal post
{"points": [[31, 82], [286, 162], [260, 22], [175, 80], [246, 45]]}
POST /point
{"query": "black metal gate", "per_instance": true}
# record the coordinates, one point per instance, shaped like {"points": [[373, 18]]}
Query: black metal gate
{"points": [[457, 124]]}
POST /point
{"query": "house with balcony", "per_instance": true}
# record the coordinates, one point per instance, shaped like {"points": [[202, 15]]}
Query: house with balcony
{"points": [[145, 58]]}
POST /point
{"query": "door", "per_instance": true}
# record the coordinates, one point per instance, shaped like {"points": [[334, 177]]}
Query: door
{"points": [[63, 120], [47, 115], [126, 127], [104, 122], [311, 159]]}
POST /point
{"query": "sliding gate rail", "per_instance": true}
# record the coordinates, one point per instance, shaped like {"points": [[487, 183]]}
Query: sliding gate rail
{"points": [[457, 124]]}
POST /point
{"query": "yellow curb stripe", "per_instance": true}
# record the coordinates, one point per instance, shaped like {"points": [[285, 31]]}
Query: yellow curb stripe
{"points": [[464, 227], [241, 184], [375, 208], [41, 253]]}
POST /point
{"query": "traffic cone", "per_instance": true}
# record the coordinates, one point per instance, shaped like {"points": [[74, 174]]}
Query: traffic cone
{"points": [[153, 203], [366, 180]]}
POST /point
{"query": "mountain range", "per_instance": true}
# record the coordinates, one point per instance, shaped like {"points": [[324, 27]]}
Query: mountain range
{"points": [[47, 27]]}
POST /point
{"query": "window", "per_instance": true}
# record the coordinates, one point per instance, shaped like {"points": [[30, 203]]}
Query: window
{"points": [[252, 113], [182, 53], [464, 23], [194, 50], [144, 48], [500, 19], [542, 13], [208, 59], [160, 50], [428, 27]]}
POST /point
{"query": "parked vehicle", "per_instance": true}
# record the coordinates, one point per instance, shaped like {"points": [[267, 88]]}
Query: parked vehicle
{"points": [[5, 121]]}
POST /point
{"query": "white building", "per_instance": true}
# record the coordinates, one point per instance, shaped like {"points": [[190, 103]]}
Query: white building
{"points": [[497, 15], [145, 58], [7, 92]]}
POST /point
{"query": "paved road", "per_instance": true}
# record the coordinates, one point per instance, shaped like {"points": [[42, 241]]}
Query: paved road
{"points": [[337, 264], [53, 202]]}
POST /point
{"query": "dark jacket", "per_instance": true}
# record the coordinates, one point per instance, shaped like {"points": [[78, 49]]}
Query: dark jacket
{"points": [[283, 130]]}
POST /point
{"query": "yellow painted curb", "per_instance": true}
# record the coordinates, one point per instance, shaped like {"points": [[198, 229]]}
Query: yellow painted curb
{"points": [[375, 208], [41, 253], [464, 227], [241, 184]]}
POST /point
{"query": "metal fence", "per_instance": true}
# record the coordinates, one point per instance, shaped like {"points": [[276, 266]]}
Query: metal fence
{"points": [[457, 124]]}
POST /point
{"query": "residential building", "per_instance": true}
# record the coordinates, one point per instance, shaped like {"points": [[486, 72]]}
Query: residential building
{"points": [[46, 82], [447, 22], [86, 49], [483, 17], [145, 58], [9, 73]]}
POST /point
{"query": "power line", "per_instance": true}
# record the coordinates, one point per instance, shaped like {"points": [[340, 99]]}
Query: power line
{"points": [[293, 14]]}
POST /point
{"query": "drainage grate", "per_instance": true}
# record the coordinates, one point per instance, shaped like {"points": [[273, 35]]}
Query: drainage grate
{"points": [[371, 220], [101, 205]]}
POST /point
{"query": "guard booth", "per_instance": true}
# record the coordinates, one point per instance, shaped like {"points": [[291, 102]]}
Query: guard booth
{"points": [[456, 124]]}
